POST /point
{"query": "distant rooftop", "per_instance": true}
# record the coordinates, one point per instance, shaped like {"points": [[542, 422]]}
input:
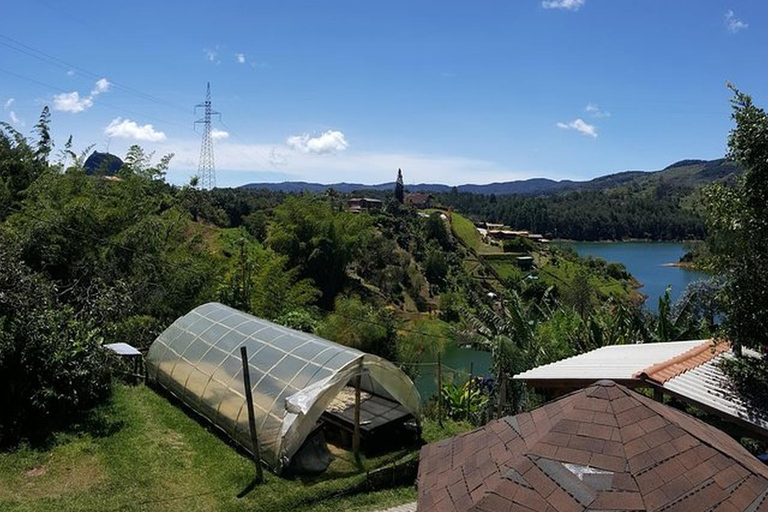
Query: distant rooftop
{"points": [[689, 370]]}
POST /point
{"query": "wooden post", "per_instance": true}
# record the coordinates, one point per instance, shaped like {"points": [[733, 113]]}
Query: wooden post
{"points": [[356, 435], [251, 416], [439, 390], [502, 394], [469, 388]]}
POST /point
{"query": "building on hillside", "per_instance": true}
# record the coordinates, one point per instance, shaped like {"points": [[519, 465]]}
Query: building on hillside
{"points": [[687, 370], [419, 200], [525, 262], [364, 204], [604, 447]]}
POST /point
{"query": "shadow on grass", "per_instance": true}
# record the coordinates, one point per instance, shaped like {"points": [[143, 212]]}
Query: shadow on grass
{"points": [[99, 422]]}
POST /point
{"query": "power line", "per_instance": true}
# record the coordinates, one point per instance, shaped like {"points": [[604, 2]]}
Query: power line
{"points": [[30, 51], [98, 103]]}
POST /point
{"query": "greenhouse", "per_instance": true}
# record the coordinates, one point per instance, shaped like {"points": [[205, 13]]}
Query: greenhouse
{"points": [[295, 378]]}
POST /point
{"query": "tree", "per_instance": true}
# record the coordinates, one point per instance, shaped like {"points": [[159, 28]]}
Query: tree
{"points": [[361, 326], [319, 241], [52, 365], [737, 220], [399, 187]]}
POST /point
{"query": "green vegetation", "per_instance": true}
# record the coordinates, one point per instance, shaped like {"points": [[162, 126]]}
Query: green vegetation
{"points": [[659, 206], [143, 452], [86, 260], [738, 230]]}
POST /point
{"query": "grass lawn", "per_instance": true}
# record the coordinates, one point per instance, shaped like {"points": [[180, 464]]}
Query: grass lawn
{"points": [[467, 231], [146, 453], [566, 270]]}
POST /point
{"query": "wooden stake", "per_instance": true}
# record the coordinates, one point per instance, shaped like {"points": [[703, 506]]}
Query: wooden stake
{"points": [[356, 435], [251, 415], [439, 390], [469, 388], [502, 394]]}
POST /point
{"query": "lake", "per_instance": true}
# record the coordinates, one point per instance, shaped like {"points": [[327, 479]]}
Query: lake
{"points": [[645, 261], [456, 364]]}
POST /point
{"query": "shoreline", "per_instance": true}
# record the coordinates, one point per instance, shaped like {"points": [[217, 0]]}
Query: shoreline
{"points": [[625, 240]]}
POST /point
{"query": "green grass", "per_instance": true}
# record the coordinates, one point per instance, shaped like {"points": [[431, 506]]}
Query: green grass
{"points": [[467, 231], [506, 269], [148, 454], [562, 275]]}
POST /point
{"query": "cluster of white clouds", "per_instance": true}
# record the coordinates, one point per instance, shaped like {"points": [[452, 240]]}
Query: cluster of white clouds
{"points": [[240, 58], [73, 102], [734, 24], [127, 129], [328, 142], [580, 126], [11, 113], [212, 55], [583, 127], [217, 134], [569, 5], [595, 111]]}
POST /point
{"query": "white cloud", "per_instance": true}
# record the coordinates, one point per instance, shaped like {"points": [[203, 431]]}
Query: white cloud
{"points": [[14, 118], [326, 143], [277, 157], [219, 134], [102, 85], [569, 5], [240, 58], [71, 72], [9, 102], [595, 111], [734, 24], [580, 126], [212, 55], [127, 129], [72, 102], [238, 163]]}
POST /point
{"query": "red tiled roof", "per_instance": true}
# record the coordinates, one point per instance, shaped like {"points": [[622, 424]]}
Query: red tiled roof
{"points": [[688, 360], [600, 448]]}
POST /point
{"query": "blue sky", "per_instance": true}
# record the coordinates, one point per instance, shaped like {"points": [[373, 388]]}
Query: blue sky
{"points": [[451, 91]]}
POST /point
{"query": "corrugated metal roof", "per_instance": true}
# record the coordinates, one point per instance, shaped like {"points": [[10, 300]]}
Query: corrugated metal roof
{"points": [[614, 362], [708, 385]]}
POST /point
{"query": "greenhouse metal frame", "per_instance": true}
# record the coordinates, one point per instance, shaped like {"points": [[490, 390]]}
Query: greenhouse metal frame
{"points": [[294, 376]]}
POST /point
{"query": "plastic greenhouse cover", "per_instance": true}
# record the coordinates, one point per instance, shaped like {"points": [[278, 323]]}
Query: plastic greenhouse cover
{"points": [[294, 376]]}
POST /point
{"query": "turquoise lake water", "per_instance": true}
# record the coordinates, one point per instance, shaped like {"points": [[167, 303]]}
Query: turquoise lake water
{"points": [[645, 261]]}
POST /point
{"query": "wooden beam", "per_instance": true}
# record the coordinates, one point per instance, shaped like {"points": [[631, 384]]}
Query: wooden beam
{"points": [[251, 416], [439, 390], [356, 434]]}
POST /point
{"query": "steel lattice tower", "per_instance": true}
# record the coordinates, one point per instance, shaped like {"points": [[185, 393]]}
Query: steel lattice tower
{"points": [[206, 170]]}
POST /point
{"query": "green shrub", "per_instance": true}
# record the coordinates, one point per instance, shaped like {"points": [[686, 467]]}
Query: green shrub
{"points": [[52, 365]]}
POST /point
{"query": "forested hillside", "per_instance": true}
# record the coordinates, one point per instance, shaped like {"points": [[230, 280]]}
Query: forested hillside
{"points": [[94, 258]]}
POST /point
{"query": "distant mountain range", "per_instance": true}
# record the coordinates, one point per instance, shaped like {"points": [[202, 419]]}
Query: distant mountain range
{"points": [[683, 173]]}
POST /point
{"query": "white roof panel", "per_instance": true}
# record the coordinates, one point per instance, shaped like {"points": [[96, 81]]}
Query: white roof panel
{"points": [[614, 362], [122, 349]]}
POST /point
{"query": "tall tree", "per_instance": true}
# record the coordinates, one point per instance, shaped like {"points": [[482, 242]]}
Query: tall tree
{"points": [[399, 187], [737, 219]]}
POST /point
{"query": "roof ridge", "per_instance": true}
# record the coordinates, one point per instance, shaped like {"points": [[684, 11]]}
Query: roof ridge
{"points": [[654, 372]]}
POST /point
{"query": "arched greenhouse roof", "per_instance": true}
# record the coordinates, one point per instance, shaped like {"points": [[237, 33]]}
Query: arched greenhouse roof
{"points": [[294, 376]]}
